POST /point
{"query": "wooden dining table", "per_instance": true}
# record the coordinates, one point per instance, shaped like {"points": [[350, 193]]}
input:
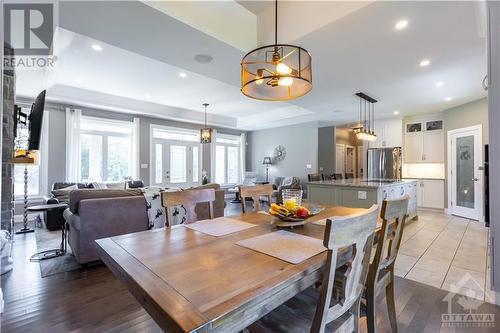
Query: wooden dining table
{"points": [[189, 281]]}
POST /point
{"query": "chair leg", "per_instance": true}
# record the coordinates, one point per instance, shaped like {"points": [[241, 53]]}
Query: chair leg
{"points": [[370, 311], [391, 307], [355, 313]]}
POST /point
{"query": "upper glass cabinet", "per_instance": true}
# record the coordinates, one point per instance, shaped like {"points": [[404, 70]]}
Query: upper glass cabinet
{"points": [[434, 125], [413, 127]]}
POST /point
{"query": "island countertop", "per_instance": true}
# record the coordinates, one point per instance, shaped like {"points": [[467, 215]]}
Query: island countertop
{"points": [[362, 183], [363, 193]]}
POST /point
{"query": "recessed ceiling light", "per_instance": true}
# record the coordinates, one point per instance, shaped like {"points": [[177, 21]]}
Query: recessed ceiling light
{"points": [[448, 99], [400, 25], [97, 47], [78, 80], [147, 95], [439, 84], [396, 112], [182, 74], [425, 63]]}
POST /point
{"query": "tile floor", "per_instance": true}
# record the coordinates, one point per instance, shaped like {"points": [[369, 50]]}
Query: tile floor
{"points": [[446, 252]]}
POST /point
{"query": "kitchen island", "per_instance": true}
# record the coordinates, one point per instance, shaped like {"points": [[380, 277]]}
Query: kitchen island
{"points": [[361, 193]]}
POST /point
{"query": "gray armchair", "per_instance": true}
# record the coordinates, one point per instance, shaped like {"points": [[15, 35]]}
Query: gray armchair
{"points": [[282, 183]]}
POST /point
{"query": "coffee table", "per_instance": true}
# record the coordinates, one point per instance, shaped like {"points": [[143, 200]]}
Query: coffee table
{"points": [[52, 253]]}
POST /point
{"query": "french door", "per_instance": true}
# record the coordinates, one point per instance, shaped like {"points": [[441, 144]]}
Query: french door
{"points": [[175, 163], [465, 172]]}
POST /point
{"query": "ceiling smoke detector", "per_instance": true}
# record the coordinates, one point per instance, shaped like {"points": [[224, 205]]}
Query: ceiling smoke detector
{"points": [[203, 58]]}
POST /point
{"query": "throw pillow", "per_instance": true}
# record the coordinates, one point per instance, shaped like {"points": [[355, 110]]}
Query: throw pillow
{"points": [[99, 186], [116, 186], [62, 195]]}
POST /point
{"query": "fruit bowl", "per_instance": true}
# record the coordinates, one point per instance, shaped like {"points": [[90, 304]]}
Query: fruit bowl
{"points": [[289, 212]]}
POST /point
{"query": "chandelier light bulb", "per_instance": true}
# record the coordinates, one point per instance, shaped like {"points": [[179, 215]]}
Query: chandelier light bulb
{"points": [[285, 81], [283, 69]]}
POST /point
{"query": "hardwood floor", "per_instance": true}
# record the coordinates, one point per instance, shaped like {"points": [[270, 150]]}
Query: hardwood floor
{"points": [[95, 301]]}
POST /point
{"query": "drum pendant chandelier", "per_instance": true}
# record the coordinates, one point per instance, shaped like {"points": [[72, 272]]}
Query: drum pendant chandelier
{"points": [[278, 72]]}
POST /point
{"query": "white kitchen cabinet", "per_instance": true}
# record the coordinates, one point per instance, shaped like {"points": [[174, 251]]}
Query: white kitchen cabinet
{"points": [[389, 133], [433, 151], [420, 193], [424, 142], [430, 193], [414, 147]]}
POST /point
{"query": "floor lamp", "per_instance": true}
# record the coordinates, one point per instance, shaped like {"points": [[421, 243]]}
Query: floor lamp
{"points": [[25, 157], [267, 161]]}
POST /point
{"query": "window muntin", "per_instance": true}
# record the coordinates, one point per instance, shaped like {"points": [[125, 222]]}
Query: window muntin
{"points": [[176, 134], [105, 150], [227, 159]]}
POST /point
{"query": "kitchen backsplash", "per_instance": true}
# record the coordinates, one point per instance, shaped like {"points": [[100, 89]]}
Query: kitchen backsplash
{"points": [[424, 170]]}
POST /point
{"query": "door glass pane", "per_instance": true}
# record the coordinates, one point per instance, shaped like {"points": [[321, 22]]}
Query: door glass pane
{"points": [[158, 163], [119, 157], [196, 167], [91, 158], [178, 164], [232, 165], [465, 171], [220, 164]]}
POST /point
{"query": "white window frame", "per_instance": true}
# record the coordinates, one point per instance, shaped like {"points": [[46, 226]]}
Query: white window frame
{"points": [[105, 136], [237, 138], [152, 144]]}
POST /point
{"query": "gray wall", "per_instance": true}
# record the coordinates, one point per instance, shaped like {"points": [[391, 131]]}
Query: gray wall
{"points": [[57, 138], [301, 143], [326, 150]]}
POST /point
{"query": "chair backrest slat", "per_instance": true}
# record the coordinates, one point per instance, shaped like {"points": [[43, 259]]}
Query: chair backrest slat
{"points": [[395, 212], [327, 177], [357, 233], [255, 192], [189, 199], [314, 177]]}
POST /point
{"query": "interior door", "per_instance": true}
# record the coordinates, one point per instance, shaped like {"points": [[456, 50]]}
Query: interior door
{"points": [[466, 173], [360, 160], [175, 164], [340, 159], [350, 160]]}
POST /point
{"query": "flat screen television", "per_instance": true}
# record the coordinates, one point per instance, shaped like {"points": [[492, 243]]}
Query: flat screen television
{"points": [[35, 122]]}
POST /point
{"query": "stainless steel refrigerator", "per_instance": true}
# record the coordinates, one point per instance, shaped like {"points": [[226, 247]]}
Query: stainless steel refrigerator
{"points": [[384, 163]]}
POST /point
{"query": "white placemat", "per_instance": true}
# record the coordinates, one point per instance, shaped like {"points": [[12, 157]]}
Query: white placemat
{"points": [[219, 226], [320, 222], [285, 245]]}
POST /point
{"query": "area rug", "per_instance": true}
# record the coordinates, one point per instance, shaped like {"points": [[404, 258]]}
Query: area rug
{"points": [[47, 240]]}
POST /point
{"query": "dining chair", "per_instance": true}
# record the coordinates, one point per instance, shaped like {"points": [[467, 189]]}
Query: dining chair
{"points": [[338, 176], [381, 273], [314, 177], [255, 192], [189, 199], [327, 177], [350, 236]]}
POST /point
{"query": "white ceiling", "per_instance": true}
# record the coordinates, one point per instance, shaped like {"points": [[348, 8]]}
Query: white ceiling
{"points": [[355, 49]]}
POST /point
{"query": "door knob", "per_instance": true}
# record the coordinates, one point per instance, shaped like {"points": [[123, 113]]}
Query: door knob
{"points": [[475, 179]]}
